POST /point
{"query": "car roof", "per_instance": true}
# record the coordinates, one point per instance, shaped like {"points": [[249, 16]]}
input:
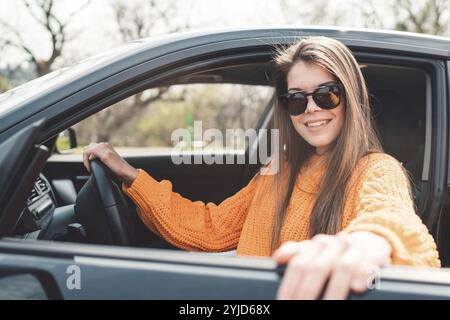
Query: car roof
{"points": [[54, 87], [388, 39]]}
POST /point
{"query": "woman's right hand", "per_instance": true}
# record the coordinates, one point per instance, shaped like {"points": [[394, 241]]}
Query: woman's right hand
{"points": [[103, 151]]}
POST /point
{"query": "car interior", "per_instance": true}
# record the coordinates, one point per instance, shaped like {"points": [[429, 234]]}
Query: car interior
{"points": [[62, 204]]}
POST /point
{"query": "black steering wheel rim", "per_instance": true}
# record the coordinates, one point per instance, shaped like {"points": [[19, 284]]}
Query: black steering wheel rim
{"points": [[101, 209]]}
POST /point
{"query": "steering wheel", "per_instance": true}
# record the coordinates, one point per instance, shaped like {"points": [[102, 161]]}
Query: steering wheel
{"points": [[102, 210]]}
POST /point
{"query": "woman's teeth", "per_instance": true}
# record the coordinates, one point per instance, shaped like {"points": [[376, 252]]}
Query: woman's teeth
{"points": [[317, 124]]}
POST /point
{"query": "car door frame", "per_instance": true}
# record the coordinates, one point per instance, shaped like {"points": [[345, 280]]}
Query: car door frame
{"points": [[443, 224]]}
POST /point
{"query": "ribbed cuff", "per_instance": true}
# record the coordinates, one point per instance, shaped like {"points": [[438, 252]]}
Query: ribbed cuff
{"points": [[141, 187]]}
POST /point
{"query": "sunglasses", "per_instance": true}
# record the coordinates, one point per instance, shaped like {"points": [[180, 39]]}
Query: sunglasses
{"points": [[326, 97]]}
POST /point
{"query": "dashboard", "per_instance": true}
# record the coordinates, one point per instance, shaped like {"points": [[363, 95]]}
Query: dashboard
{"points": [[39, 208], [41, 218]]}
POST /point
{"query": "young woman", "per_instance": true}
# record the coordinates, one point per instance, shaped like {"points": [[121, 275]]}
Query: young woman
{"points": [[338, 206]]}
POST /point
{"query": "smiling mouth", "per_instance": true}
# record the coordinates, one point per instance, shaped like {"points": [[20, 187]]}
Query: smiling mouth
{"points": [[317, 124]]}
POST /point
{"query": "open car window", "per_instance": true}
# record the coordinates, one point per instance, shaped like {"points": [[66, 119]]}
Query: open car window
{"points": [[143, 124]]}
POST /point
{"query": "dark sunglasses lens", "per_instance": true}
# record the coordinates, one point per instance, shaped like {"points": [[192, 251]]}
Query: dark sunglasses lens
{"points": [[296, 104], [327, 98]]}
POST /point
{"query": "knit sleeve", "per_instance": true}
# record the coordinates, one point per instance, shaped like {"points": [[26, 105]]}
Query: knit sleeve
{"points": [[187, 224], [386, 208]]}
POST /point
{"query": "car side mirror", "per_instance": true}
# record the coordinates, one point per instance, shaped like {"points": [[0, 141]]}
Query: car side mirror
{"points": [[66, 141]]}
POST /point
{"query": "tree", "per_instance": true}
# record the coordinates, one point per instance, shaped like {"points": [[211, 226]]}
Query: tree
{"points": [[421, 16], [142, 19], [102, 125], [220, 106], [43, 13]]}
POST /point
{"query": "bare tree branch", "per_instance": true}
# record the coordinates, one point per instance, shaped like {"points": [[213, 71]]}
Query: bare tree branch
{"points": [[31, 57], [43, 13]]}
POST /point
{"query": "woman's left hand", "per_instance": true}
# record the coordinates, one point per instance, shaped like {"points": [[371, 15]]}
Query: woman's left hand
{"points": [[344, 262]]}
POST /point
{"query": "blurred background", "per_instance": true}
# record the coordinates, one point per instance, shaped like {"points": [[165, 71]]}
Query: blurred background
{"points": [[39, 36]]}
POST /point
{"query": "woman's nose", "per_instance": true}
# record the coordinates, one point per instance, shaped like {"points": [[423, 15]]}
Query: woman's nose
{"points": [[311, 106]]}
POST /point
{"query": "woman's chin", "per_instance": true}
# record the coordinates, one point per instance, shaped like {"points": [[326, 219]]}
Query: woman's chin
{"points": [[319, 144]]}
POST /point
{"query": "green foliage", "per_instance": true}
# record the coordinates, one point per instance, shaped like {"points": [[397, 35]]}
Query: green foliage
{"points": [[221, 106]]}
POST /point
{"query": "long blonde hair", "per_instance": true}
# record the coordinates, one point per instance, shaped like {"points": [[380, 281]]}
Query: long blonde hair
{"points": [[356, 139]]}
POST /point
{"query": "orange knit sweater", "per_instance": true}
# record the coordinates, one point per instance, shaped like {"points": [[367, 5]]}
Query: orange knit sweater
{"points": [[376, 200]]}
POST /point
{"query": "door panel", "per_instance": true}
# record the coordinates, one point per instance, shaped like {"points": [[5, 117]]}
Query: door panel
{"points": [[81, 271]]}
